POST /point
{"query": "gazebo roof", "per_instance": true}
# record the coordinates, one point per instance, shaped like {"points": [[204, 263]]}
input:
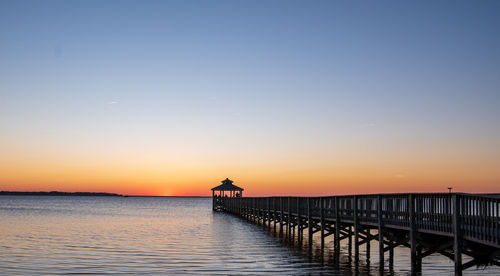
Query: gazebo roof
{"points": [[227, 185]]}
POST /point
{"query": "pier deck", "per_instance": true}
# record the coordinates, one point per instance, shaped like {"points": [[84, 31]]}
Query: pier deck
{"points": [[451, 224]]}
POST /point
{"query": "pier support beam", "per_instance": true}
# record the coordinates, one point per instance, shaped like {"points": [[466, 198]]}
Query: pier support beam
{"points": [[457, 246]]}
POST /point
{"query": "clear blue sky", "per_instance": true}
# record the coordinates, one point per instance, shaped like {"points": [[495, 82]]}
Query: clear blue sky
{"points": [[324, 83]]}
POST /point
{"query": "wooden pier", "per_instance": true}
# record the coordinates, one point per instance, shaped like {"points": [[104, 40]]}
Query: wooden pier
{"points": [[451, 224]]}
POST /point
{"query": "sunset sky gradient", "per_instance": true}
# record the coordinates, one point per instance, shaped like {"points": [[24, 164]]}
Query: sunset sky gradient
{"points": [[283, 97]]}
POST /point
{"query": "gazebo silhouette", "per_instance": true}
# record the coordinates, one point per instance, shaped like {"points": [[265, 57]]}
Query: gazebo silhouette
{"points": [[226, 189]]}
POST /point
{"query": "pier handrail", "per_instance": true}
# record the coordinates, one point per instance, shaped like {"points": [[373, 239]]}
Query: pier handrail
{"points": [[477, 216]]}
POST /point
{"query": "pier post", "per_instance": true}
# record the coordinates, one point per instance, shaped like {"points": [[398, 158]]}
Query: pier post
{"points": [[368, 239], [337, 230], [322, 220], [253, 210], [349, 251], [247, 209], [243, 208], [250, 209], [356, 231], [380, 234], [213, 200], [457, 247], [299, 224], [269, 213], [256, 211], [275, 216], [281, 215], [309, 225], [391, 259], [262, 211], [289, 221], [415, 269], [255, 214]]}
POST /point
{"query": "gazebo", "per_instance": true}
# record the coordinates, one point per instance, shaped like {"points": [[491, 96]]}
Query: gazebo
{"points": [[227, 186]]}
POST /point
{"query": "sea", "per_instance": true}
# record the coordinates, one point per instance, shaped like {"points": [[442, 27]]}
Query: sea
{"points": [[63, 235]]}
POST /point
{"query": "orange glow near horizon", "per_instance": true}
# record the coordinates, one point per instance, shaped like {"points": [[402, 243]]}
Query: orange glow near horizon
{"points": [[265, 179], [295, 167]]}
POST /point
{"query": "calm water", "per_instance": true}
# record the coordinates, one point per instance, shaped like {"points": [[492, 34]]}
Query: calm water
{"points": [[99, 235]]}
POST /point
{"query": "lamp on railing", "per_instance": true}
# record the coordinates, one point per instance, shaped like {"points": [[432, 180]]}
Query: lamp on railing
{"points": [[449, 189]]}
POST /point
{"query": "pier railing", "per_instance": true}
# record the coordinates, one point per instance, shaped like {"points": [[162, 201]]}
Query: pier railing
{"points": [[472, 217]]}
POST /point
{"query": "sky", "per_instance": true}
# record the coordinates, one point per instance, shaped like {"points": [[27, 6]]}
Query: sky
{"points": [[283, 97]]}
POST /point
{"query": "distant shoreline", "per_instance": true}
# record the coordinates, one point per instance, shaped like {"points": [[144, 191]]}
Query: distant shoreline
{"points": [[56, 193]]}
